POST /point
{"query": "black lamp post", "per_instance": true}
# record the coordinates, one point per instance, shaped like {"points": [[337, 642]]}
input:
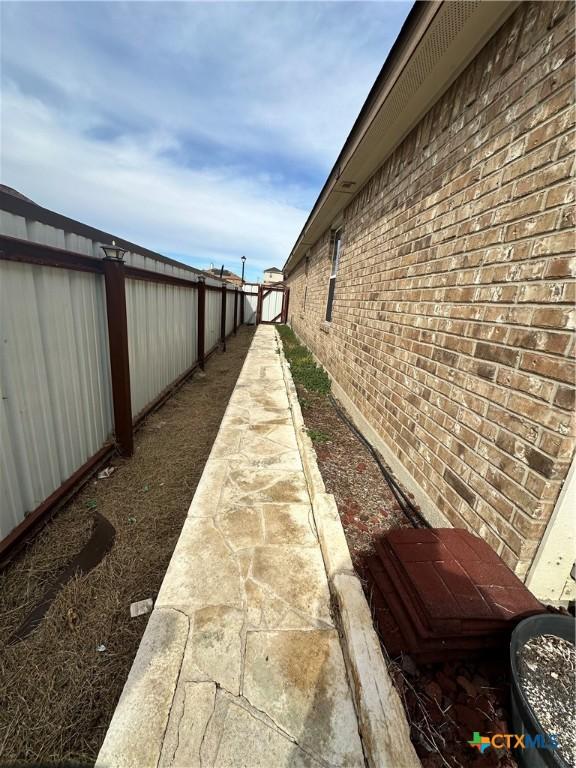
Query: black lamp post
{"points": [[114, 252], [243, 263]]}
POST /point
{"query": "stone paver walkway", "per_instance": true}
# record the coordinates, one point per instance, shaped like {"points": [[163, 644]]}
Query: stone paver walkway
{"points": [[241, 664]]}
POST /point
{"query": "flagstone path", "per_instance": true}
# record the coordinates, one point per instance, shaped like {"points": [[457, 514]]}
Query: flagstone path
{"points": [[241, 664]]}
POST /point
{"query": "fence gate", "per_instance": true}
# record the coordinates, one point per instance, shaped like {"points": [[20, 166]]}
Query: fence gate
{"points": [[272, 304]]}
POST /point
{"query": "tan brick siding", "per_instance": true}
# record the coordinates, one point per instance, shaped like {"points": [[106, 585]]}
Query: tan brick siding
{"points": [[452, 326]]}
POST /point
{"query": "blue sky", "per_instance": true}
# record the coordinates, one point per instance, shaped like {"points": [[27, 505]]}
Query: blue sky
{"points": [[203, 130]]}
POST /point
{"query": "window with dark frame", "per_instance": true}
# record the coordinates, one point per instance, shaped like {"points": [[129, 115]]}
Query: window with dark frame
{"points": [[336, 242]]}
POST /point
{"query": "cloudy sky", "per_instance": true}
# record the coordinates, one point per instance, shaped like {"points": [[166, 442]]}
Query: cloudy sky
{"points": [[203, 130]]}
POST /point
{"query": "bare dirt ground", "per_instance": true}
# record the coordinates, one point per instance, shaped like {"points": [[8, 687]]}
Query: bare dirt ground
{"points": [[447, 702], [367, 506], [57, 691]]}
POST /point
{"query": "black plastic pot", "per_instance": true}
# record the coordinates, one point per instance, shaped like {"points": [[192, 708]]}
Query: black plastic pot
{"points": [[523, 716]]}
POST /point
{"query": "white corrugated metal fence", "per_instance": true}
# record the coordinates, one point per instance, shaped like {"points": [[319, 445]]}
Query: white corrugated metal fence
{"points": [[56, 408], [161, 337]]}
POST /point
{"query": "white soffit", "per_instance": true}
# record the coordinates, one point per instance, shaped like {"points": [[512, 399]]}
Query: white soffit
{"points": [[446, 38]]}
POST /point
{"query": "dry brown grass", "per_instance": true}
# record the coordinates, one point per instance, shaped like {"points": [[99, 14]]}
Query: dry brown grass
{"points": [[57, 692]]}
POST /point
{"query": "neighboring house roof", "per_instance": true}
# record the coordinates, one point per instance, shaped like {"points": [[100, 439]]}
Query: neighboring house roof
{"points": [[225, 273], [437, 41], [17, 204], [273, 269], [15, 193]]}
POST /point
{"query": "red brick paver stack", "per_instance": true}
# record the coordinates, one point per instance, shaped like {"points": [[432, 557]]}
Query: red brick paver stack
{"points": [[439, 592]]}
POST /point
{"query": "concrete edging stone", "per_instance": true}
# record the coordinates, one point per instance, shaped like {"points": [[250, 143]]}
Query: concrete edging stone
{"points": [[382, 720]]}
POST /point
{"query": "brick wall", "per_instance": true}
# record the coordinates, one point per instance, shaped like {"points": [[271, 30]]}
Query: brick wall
{"points": [[453, 317]]}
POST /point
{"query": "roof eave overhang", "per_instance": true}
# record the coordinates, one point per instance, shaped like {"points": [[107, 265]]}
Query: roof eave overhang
{"points": [[436, 44]]}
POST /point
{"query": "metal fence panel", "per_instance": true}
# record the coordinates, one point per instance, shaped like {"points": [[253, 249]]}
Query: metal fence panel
{"points": [[250, 307], [229, 313], [55, 406], [162, 322], [213, 316]]}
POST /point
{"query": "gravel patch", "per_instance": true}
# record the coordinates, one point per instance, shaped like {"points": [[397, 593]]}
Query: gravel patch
{"points": [[547, 665]]}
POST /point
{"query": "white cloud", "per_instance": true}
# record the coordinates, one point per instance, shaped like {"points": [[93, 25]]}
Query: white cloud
{"points": [[191, 128], [130, 189]]}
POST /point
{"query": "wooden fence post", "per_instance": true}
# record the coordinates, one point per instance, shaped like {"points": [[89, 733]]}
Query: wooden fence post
{"points": [[201, 324], [119, 360], [235, 310], [242, 302], [285, 302], [259, 306], [223, 319]]}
